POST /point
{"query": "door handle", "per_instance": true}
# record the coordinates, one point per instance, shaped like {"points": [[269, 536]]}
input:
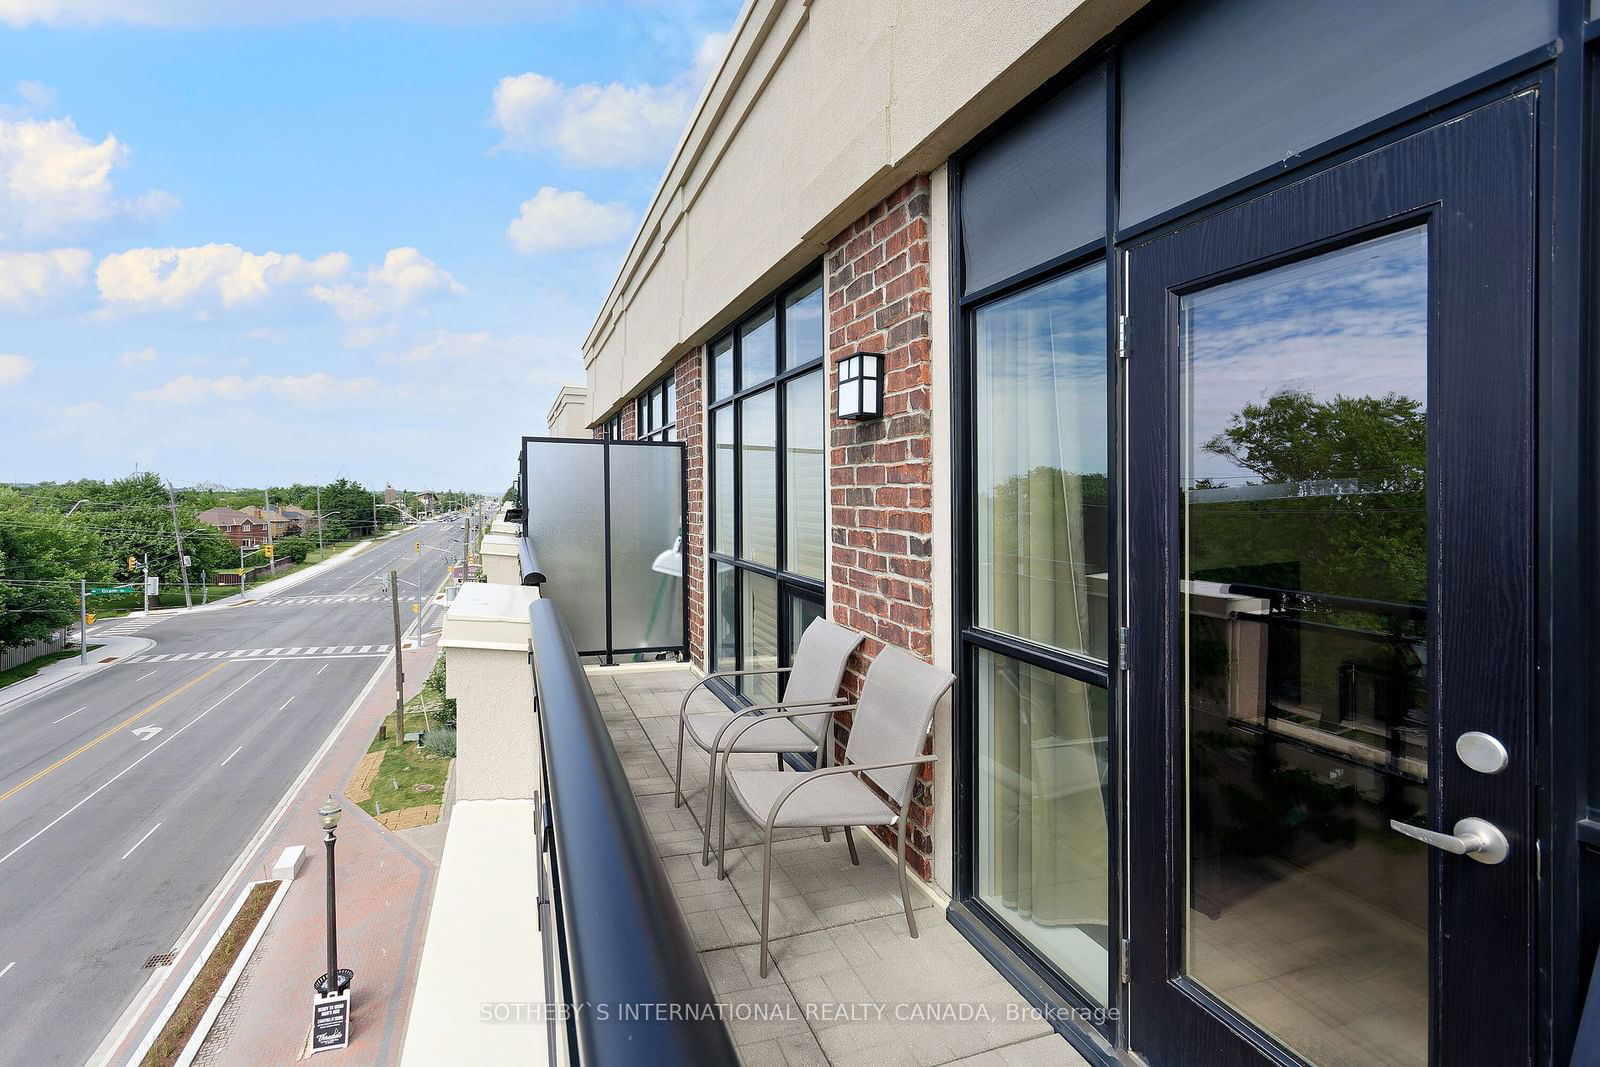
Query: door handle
{"points": [[1478, 838]]}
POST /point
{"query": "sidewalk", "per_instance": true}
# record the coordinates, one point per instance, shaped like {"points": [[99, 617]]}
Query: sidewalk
{"points": [[61, 672], [384, 889]]}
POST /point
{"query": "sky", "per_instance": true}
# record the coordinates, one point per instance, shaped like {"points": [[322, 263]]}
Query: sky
{"points": [[253, 243]]}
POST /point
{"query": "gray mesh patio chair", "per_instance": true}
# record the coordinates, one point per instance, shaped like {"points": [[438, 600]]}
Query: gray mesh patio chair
{"points": [[814, 679], [885, 748]]}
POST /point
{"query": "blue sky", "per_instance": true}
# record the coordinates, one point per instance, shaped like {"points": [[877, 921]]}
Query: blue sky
{"points": [[261, 247]]}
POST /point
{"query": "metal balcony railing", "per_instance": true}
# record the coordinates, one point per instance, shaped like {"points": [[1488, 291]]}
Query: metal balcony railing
{"points": [[620, 964]]}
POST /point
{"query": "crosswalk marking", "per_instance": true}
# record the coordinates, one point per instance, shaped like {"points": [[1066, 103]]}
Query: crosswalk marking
{"points": [[307, 600], [316, 652]]}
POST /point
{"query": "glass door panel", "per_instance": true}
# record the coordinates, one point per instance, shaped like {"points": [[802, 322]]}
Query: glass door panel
{"points": [[1329, 539], [1043, 811], [1304, 626]]}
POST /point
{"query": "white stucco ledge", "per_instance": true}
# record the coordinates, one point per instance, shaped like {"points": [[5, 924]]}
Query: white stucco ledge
{"points": [[502, 561], [481, 980], [489, 615], [501, 526]]}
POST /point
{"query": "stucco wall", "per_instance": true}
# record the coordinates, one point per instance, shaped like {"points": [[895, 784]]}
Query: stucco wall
{"points": [[820, 109]]}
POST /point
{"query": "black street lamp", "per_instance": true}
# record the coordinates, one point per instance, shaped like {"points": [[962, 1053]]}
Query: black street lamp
{"points": [[329, 814]]}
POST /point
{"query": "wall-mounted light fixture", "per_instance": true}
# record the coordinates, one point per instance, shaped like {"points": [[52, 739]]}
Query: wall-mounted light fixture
{"points": [[861, 386]]}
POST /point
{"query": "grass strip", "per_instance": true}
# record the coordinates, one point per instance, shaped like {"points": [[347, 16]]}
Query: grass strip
{"points": [[406, 766], [169, 1044], [34, 666]]}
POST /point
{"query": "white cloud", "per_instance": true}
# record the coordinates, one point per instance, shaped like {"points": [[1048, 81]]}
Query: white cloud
{"points": [[591, 125], [37, 95], [404, 277], [52, 178], [304, 390], [170, 13], [442, 345], [13, 369], [555, 220], [28, 279], [135, 356], [145, 279]]}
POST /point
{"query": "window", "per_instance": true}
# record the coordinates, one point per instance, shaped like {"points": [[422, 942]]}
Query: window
{"points": [[657, 411], [1035, 611], [768, 496], [613, 431]]}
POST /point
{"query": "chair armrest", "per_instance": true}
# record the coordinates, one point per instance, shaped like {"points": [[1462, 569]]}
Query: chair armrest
{"points": [[832, 707], [853, 768], [687, 693]]}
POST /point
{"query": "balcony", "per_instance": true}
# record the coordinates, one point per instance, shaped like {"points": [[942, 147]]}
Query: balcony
{"points": [[575, 923]]}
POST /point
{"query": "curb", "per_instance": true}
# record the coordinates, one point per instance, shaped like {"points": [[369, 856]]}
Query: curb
{"points": [[202, 1029]]}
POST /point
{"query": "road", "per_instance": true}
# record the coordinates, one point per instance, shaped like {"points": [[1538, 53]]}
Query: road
{"points": [[125, 796]]}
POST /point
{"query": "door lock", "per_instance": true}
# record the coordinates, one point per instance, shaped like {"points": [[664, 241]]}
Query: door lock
{"points": [[1478, 838]]}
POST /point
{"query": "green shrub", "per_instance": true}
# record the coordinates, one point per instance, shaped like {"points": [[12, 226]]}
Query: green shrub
{"points": [[440, 741], [445, 713], [292, 548]]}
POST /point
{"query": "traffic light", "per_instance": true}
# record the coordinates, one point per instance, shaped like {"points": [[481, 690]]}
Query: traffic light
{"points": [[268, 550], [419, 547], [133, 563]]}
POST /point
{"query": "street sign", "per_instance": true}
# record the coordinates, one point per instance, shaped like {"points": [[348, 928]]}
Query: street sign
{"points": [[330, 1022], [152, 586], [111, 589]]}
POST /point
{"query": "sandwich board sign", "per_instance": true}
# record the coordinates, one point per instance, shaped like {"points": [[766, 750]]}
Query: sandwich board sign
{"points": [[330, 1022]]}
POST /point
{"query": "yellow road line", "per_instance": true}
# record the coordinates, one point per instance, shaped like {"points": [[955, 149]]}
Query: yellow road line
{"points": [[14, 790]]}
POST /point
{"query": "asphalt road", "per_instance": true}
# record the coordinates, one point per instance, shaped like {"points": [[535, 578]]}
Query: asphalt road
{"points": [[126, 796]]}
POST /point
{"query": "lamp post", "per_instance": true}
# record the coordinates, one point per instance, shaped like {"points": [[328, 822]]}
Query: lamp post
{"points": [[329, 814]]}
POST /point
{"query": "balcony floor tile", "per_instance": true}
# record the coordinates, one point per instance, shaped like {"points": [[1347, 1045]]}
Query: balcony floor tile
{"points": [[848, 985]]}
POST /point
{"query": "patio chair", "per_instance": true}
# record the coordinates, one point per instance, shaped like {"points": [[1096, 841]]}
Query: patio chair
{"points": [[885, 748], [814, 679]]}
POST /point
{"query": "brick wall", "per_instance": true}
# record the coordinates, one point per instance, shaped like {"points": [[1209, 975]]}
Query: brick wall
{"points": [[630, 420], [691, 426], [881, 497]]}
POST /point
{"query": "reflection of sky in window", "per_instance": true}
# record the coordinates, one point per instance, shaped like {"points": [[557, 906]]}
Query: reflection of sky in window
{"points": [[1041, 379], [1348, 323], [802, 326]]}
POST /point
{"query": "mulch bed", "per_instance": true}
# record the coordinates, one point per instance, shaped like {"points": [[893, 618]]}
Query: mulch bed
{"points": [[169, 1044]]}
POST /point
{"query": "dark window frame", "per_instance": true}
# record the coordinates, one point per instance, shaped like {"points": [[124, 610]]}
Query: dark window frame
{"points": [[1569, 325], [789, 584], [662, 421]]}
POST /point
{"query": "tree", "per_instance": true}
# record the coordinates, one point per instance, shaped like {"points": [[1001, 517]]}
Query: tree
{"points": [[352, 501], [294, 548], [1352, 519], [43, 557]]}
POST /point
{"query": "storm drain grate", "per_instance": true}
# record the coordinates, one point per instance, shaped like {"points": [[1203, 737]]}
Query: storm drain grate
{"points": [[160, 959]]}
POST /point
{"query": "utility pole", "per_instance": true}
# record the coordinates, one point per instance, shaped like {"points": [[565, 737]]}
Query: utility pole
{"points": [[466, 544], [266, 516], [145, 577], [83, 622], [241, 572], [374, 515], [319, 523], [205, 589], [399, 666], [183, 561]]}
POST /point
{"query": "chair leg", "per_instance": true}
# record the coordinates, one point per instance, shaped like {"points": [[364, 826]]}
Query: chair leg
{"points": [[905, 888], [722, 824], [821, 760], [677, 778], [766, 894], [851, 841], [711, 787]]}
